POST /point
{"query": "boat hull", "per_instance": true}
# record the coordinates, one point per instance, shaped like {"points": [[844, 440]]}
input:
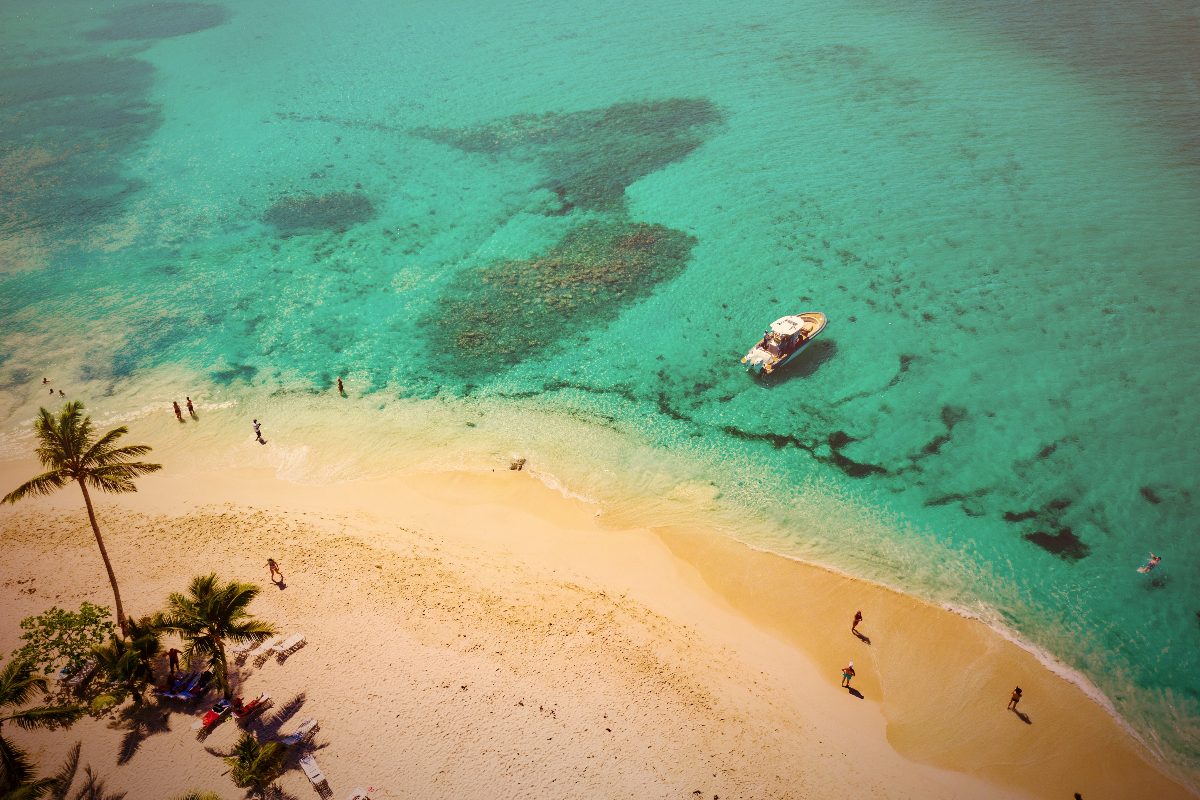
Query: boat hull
{"points": [[761, 361]]}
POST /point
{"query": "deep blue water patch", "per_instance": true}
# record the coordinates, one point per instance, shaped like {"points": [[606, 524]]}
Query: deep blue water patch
{"points": [[159, 21], [590, 157]]}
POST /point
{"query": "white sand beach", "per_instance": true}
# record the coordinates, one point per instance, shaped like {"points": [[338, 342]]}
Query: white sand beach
{"points": [[479, 635]]}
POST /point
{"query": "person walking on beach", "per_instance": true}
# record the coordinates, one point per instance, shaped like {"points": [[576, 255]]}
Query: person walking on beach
{"points": [[173, 661], [191, 409], [847, 674], [258, 433], [274, 567], [61, 393], [178, 411], [1016, 698], [341, 389], [45, 381], [857, 619]]}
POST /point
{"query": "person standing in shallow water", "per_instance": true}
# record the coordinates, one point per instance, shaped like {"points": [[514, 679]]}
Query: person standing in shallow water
{"points": [[178, 410], [190, 408], [341, 389], [1016, 698]]}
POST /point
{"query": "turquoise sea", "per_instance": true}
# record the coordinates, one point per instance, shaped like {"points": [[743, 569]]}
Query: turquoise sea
{"points": [[561, 225]]}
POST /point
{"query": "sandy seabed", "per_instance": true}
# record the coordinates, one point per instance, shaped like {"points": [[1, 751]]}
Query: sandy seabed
{"points": [[479, 635]]}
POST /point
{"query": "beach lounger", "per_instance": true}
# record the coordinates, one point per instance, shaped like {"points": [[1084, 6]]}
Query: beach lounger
{"points": [[264, 651], [253, 707], [241, 650], [307, 728], [212, 716], [197, 690], [177, 683], [86, 672], [289, 646], [313, 771]]}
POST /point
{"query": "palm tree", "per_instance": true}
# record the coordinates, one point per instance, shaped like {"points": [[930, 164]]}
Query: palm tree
{"points": [[254, 765], [70, 452], [127, 661], [53, 788], [18, 682], [199, 796], [208, 615]]}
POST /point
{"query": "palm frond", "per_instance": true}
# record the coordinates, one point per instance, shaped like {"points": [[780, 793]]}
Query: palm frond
{"points": [[43, 484], [45, 716], [93, 788], [103, 446], [18, 682], [16, 767], [35, 790], [121, 455], [60, 782]]}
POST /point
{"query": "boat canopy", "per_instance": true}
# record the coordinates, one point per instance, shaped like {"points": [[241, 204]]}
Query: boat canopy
{"points": [[787, 326]]}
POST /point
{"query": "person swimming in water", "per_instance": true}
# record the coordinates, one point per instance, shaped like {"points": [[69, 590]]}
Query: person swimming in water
{"points": [[1151, 564]]}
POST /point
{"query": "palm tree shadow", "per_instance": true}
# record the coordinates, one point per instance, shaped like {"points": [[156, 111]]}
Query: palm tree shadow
{"points": [[141, 722], [269, 725], [277, 792]]}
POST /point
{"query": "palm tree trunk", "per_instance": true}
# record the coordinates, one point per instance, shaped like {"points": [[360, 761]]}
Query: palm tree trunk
{"points": [[112, 576], [228, 690]]}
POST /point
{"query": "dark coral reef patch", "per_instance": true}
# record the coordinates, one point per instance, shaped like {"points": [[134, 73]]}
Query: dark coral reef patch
{"points": [[590, 157], [509, 311], [308, 213], [159, 21], [66, 128]]}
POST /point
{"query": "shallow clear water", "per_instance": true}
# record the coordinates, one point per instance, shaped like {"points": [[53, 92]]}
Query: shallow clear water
{"points": [[566, 223]]}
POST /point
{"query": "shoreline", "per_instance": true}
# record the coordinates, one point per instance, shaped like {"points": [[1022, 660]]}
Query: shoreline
{"points": [[917, 654]]}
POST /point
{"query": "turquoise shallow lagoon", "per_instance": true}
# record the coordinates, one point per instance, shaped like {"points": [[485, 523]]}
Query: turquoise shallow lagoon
{"points": [[586, 214]]}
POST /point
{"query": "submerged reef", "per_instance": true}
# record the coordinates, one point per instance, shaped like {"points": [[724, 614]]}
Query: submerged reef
{"points": [[504, 313], [590, 157], [159, 21], [66, 128], [307, 213]]}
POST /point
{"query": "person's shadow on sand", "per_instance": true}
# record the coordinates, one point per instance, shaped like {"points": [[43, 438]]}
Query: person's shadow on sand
{"points": [[1022, 716], [862, 637], [855, 692], [279, 583]]}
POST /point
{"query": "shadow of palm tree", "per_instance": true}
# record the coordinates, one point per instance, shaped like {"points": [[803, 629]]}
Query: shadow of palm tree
{"points": [[140, 723], [267, 726], [277, 792]]}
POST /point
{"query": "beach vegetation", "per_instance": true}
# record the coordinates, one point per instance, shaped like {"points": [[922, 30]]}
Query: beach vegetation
{"points": [[126, 663], [55, 787], [210, 614], [58, 640], [19, 682], [199, 796], [71, 453], [254, 765]]}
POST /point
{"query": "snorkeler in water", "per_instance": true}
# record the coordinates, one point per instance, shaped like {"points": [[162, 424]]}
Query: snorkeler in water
{"points": [[1151, 564]]}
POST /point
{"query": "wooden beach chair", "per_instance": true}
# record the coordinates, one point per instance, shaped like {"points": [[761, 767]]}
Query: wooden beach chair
{"points": [[264, 651], [304, 732], [313, 771], [289, 646]]}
